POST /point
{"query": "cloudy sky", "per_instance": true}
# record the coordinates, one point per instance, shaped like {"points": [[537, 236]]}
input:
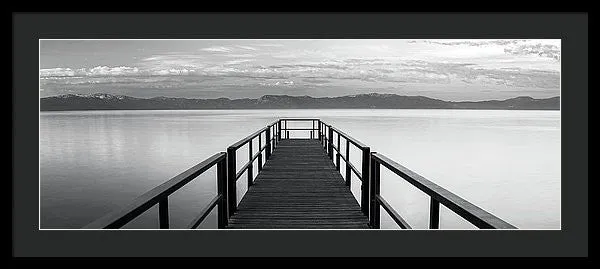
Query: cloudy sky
{"points": [[448, 69]]}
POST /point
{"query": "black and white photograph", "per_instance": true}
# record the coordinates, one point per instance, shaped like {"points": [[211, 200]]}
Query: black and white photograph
{"points": [[300, 134]]}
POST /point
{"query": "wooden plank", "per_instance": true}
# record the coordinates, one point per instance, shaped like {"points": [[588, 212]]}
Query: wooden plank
{"points": [[298, 188]]}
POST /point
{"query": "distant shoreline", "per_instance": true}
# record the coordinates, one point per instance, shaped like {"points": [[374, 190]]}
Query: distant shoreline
{"points": [[102, 101]]}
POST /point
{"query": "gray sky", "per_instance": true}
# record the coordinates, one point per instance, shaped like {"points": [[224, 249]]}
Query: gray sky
{"points": [[448, 69]]}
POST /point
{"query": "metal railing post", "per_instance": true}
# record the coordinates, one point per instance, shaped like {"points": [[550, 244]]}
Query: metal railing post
{"points": [[337, 156], [231, 181], [320, 137], [279, 130], [366, 160], [268, 144], [250, 167], [274, 137], [323, 137], [348, 169], [434, 214], [163, 213], [260, 152], [222, 190], [375, 190], [330, 143]]}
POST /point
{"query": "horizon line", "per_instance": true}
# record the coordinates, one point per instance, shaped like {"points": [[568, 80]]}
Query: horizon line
{"points": [[349, 95]]}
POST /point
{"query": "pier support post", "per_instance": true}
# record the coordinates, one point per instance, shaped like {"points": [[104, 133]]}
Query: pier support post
{"points": [[348, 169], [231, 181], [330, 143], [337, 156], [323, 138], [163, 213], [268, 143], [273, 131], [434, 214], [260, 152], [250, 166], [375, 190], [320, 136], [366, 163], [221, 190], [279, 130]]}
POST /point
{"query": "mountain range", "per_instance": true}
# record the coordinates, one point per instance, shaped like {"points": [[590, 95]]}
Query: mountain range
{"points": [[103, 101]]}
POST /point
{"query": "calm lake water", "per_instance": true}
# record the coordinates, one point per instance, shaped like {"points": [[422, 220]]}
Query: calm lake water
{"points": [[506, 162]]}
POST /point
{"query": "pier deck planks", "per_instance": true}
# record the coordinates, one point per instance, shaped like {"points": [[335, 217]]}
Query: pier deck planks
{"points": [[298, 188]]}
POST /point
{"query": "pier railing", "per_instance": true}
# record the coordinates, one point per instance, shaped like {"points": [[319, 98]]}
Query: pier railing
{"points": [[284, 132], [271, 138], [328, 137], [160, 196], [437, 194], [369, 175]]}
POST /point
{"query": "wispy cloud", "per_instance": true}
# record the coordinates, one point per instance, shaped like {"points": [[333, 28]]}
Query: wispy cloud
{"points": [[542, 50], [520, 47], [175, 60], [316, 80], [216, 49], [112, 71], [247, 48], [471, 43], [107, 71], [57, 72], [239, 61], [280, 83], [96, 71], [269, 45], [244, 55]]}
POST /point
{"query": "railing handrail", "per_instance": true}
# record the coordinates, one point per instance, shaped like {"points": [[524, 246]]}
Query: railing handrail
{"points": [[118, 218], [250, 137], [352, 140], [298, 119], [460, 206], [245, 140]]}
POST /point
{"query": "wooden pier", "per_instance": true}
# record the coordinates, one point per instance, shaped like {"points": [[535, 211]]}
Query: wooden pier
{"points": [[298, 185]]}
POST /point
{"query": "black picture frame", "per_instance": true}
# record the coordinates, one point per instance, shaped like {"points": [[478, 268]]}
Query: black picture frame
{"points": [[570, 241]]}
